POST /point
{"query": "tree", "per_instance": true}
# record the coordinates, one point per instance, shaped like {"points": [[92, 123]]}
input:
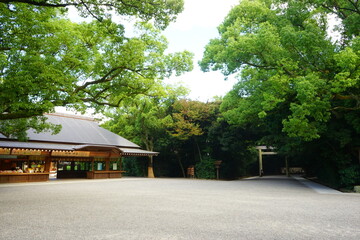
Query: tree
{"points": [[286, 56], [296, 80], [144, 119], [190, 126], [163, 12], [48, 61]]}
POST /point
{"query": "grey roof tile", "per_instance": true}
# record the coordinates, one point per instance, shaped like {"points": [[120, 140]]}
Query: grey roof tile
{"points": [[79, 130]]}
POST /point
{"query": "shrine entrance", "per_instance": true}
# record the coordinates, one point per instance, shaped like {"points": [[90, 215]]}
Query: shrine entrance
{"points": [[265, 150]]}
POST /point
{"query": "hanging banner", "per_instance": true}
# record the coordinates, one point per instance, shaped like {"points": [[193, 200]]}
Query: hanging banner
{"points": [[70, 154], [4, 151]]}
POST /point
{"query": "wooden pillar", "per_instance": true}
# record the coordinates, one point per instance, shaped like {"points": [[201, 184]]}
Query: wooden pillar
{"points": [[120, 164], [261, 172], [150, 168], [107, 164], [47, 164], [72, 165]]}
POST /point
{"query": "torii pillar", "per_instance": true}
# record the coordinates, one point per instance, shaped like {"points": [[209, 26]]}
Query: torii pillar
{"points": [[261, 153]]}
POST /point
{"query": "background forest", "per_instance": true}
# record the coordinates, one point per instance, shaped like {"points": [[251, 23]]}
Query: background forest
{"points": [[297, 64]]}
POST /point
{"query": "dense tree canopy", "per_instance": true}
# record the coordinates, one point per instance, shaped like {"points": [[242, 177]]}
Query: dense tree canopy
{"points": [[145, 118], [285, 56], [298, 65], [162, 11], [185, 132], [48, 61]]}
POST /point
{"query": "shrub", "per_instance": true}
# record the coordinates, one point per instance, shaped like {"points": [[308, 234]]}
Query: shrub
{"points": [[350, 176], [205, 168]]}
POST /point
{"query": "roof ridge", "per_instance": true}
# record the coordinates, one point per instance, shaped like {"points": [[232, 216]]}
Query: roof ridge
{"points": [[81, 117]]}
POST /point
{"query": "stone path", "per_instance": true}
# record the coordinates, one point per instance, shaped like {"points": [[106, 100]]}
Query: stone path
{"points": [[138, 208]]}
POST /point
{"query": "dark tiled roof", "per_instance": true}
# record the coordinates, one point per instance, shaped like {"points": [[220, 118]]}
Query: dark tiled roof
{"points": [[80, 130]]}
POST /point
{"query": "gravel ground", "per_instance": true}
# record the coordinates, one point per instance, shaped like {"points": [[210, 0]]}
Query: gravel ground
{"points": [[140, 208]]}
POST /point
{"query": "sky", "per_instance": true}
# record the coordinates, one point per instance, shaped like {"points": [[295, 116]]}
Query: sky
{"points": [[194, 27]]}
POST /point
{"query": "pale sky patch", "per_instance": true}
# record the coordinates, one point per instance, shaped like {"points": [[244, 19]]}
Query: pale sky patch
{"points": [[194, 27]]}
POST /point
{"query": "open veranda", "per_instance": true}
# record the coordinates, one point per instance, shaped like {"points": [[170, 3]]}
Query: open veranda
{"points": [[272, 207]]}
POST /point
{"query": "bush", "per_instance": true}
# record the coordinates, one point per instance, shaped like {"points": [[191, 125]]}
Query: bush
{"points": [[136, 167], [205, 168], [350, 176]]}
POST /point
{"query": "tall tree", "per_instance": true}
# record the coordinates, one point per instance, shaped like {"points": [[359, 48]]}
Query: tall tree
{"points": [[48, 61], [296, 80], [286, 56], [190, 126], [144, 119]]}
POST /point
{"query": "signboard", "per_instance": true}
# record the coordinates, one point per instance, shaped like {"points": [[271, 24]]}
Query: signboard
{"points": [[70, 153], [4, 151], [25, 152]]}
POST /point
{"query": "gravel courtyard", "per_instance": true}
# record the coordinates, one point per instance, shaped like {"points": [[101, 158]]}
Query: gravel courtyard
{"points": [[140, 208]]}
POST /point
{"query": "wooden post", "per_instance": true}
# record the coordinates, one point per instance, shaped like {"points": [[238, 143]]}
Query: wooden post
{"points": [[287, 166], [120, 164], [47, 164], [150, 168], [217, 166], [72, 164], [107, 164], [261, 172]]}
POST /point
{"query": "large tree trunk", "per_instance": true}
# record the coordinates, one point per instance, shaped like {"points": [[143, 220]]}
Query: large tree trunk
{"points": [[181, 165], [198, 148], [150, 168]]}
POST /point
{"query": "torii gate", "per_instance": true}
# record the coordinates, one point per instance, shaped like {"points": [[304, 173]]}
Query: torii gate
{"points": [[271, 152]]}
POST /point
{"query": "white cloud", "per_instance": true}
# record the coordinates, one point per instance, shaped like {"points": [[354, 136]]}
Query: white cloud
{"points": [[203, 13], [204, 86], [192, 31]]}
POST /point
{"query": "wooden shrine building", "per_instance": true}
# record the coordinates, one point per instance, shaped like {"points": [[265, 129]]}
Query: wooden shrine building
{"points": [[82, 149]]}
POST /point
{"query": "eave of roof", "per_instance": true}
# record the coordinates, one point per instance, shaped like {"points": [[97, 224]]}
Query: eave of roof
{"points": [[37, 145], [137, 152], [70, 147]]}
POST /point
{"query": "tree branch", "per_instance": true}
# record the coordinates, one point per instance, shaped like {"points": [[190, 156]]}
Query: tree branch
{"points": [[43, 3], [87, 8], [20, 114]]}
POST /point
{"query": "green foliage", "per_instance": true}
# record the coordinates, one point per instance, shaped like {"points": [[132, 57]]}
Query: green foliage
{"points": [[144, 119], [284, 59], [189, 117], [350, 176], [298, 84], [17, 128], [134, 166], [48, 61], [205, 169], [163, 12], [234, 146]]}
